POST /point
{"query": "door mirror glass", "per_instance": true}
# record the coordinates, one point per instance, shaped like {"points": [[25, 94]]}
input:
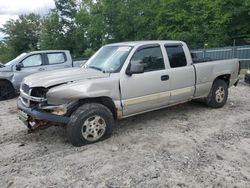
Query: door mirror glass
{"points": [[135, 69]]}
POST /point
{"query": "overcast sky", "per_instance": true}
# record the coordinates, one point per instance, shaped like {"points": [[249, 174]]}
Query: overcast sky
{"points": [[10, 9]]}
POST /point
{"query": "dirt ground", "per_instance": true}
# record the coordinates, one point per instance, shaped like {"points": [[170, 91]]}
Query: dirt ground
{"points": [[188, 145]]}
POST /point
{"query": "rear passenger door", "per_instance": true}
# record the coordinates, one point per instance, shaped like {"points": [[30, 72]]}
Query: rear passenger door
{"points": [[181, 74], [56, 60]]}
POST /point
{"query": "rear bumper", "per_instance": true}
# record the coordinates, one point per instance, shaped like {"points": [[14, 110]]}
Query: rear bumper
{"points": [[41, 114]]}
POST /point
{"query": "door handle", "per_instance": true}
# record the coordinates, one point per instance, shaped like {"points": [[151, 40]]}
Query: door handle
{"points": [[41, 69], [164, 77]]}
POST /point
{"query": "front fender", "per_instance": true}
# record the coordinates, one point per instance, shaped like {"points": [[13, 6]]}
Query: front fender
{"points": [[82, 90]]}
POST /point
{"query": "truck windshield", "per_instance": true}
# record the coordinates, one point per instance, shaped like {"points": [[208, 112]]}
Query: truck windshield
{"points": [[109, 58]]}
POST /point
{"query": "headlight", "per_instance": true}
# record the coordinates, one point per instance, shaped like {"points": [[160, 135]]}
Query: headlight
{"points": [[248, 71], [58, 110]]}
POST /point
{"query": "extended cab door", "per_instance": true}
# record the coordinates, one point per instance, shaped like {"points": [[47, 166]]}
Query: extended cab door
{"points": [[149, 90], [56, 60], [181, 73], [29, 65]]}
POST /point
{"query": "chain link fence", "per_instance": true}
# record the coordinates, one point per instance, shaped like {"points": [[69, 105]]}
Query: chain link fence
{"points": [[240, 52]]}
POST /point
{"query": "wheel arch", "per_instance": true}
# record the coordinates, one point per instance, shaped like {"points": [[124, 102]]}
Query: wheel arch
{"points": [[7, 81], [224, 77], [106, 101], [10, 92]]}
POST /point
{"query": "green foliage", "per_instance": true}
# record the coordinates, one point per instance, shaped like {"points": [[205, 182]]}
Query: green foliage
{"points": [[22, 34], [5, 55], [88, 52], [51, 32], [85, 25]]}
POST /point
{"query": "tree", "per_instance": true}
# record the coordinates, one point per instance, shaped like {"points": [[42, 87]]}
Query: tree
{"points": [[5, 55], [79, 25], [52, 35], [22, 34]]}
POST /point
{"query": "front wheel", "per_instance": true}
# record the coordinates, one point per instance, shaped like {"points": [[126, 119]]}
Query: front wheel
{"points": [[217, 97], [6, 91], [90, 123]]}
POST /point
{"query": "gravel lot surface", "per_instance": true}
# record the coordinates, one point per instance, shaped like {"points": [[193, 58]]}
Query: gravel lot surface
{"points": [[188, 145]]}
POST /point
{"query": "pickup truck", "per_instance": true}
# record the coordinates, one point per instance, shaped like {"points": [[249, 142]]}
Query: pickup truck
{"points": [[13, 72], [119, 81]]}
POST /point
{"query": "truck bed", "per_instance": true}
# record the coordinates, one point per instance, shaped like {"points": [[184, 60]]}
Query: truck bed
{"points": [[207, 71]]}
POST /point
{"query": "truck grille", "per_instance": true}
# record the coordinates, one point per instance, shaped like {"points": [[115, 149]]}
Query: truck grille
{"points": [[32, 96]]}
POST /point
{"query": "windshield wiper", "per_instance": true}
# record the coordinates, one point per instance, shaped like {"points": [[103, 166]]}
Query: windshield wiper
{"points": [[96, 68]]}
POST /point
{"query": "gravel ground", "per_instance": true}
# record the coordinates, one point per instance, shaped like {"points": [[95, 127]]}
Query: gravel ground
{"points": [[188, 145]]}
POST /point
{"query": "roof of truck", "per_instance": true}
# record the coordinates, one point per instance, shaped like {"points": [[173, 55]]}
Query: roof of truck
{"points": [[135, 43], [47, 51]]}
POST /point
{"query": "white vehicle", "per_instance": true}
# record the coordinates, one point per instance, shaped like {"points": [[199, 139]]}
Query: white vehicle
{"points": [[13, 72]]}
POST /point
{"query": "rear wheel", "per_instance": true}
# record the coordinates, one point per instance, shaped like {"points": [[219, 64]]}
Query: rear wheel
{"points": [[217, 97], [90, 123], [6, 90]]}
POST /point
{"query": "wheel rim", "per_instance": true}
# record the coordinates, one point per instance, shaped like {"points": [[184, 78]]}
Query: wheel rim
{"points": [[93, 128], [220, 94]]}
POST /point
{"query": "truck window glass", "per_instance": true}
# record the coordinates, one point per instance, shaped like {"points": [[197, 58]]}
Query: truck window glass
{"points": [[33, 60], [151, 58], [55, 58], [109, 58], [176, 56]]}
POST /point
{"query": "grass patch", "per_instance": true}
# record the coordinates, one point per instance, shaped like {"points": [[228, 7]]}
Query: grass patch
{"points": [[243, 71]]}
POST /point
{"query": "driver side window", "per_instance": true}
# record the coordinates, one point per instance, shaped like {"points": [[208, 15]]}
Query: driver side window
{"points": [[150, 57], [32, 61]]}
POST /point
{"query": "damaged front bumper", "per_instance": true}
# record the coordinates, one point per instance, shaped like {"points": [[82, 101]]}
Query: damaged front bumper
{"points": [[35, 113]]}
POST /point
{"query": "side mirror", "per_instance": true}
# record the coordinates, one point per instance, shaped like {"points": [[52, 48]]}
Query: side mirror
{"points": [[135, 69], [19, 66]]}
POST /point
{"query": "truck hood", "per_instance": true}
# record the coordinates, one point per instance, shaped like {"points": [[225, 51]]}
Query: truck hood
{"points": [[5, 68], [51, 78]]}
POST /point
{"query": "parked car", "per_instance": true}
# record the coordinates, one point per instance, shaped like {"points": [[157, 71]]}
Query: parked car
{"points": [[119, 81], [247, 77], [13, 72]]}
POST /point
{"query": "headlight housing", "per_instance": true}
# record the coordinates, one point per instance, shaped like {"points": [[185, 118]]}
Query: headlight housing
{"points": [[57, 110], [60, 109]]}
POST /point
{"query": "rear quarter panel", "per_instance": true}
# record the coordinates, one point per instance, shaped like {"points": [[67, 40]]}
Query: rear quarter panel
{"points": [[207, 72]]}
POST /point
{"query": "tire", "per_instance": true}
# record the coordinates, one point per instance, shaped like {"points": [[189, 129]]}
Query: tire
{"points": [[6, 91], [217, 97], [90, 123]]}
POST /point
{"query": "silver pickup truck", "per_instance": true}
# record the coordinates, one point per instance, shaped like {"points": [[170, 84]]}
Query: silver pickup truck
{"points": [[122, 80], [13, 72]]}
